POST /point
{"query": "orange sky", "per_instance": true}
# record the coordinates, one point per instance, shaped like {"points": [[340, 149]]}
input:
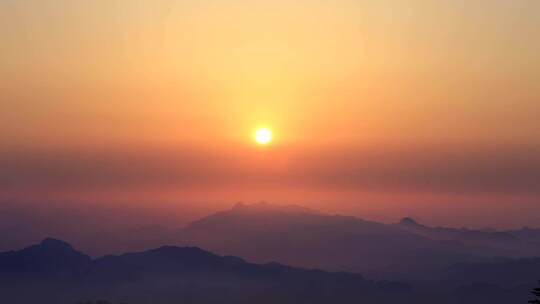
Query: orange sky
{"points": [[377, 107]]}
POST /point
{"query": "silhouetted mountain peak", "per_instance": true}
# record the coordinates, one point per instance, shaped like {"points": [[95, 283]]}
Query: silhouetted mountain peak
{"points": [[55, 244], [179, 252], [238, 205], [409, 221], [257, 216], [49, 256], [269, 207], [52, 248]]}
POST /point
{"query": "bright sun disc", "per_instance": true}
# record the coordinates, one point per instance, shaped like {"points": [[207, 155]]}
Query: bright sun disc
{"points": [[263, 136]]}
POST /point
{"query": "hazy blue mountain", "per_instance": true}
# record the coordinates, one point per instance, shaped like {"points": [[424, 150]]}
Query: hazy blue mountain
{"points": [[280, 230], [302, 237], [528, 234], [516, 243]]}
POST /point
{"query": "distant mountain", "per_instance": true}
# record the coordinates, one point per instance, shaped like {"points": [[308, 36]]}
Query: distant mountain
{"points": [[518, 243], [443, 265], [53, 272], [305, 238], [97, 232], [527, 234], [298, 236]]}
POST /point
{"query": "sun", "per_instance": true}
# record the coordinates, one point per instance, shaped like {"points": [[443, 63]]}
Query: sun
{"points": [[263, 136]]}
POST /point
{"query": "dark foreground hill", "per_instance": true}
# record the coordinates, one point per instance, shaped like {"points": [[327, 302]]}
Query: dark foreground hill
{"points": [[54, 272]]}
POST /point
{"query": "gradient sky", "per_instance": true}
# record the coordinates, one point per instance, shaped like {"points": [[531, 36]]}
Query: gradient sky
{"points": [[379, 108]]}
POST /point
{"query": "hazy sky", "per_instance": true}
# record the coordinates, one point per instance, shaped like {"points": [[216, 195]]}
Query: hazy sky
{"points": [[379, 108]]}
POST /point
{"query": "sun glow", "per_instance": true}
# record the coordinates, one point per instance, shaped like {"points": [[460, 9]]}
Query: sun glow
{"points": [[263, 136]]}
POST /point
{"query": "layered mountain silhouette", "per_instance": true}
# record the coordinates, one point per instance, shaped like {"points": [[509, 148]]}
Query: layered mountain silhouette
{"points": [[291, 235], [508, 243], [302, 237], [54, 272]]}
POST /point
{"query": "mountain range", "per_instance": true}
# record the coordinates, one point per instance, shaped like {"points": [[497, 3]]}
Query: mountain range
{"points": [[54, 272], [298, 236], [292, 235], [247, 247]]}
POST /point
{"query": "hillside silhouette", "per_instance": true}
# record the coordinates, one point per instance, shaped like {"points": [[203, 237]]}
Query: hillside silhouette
{"points": [[301, 237], [54, 272]]}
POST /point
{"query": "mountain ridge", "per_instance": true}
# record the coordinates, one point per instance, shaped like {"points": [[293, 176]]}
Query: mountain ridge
{"points": [[173, 274], [169, 274], [306, 238]]}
